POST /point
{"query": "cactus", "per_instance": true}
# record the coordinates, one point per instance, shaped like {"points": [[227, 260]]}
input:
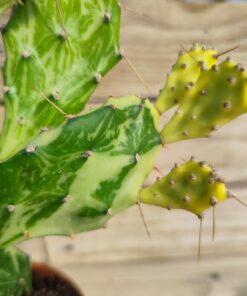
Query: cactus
{"points": [[193, 186], [57, 51], [75, 177], [185, 73], [219, 96], [15, 273], [62, 173]]}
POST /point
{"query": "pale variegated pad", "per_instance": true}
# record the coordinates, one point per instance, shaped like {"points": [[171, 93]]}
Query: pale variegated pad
{"points": [[73, 178]]}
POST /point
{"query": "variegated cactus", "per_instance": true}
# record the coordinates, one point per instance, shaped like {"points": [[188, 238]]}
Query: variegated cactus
{"points": [[63, 174], [76, 176]]}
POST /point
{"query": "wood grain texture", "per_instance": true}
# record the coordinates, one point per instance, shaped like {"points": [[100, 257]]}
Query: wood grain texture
{"points": [[164, 278], [120, 260]]}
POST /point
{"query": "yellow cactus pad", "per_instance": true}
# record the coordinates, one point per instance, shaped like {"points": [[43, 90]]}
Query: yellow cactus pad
{"points": [[184, 75], [219, 96], [193, 187]]}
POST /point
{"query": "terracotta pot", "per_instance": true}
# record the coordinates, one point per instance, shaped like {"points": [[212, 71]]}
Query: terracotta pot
{"points": [[48, 281]]}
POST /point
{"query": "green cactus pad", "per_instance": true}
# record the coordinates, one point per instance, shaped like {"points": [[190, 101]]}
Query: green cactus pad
{"points": [[15, 273], [184, 75], [59, 52], [73, 178], [193, 187], [219, 96]]}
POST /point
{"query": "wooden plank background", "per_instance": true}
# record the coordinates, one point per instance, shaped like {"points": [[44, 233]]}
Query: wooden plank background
{"points": [[121, 260]]}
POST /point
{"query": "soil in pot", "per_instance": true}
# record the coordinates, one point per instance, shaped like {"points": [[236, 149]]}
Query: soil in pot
{"points": [[49, 282]]}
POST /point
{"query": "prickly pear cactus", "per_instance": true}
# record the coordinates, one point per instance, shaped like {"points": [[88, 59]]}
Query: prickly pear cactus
{"points": [[184, 74], [73, 178], [57, 51], [193, 186], [15, 272], [219, 96]]}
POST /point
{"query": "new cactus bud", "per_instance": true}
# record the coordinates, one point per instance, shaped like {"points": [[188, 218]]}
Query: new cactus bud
{"points": [[224, 98], [184, 75], [192, 189]]}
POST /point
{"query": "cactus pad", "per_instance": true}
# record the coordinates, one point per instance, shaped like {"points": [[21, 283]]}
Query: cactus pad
{"points": [[193, 187], [15, 273], [219, 96], [59, 50], [73, 178], [184, 75]]}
